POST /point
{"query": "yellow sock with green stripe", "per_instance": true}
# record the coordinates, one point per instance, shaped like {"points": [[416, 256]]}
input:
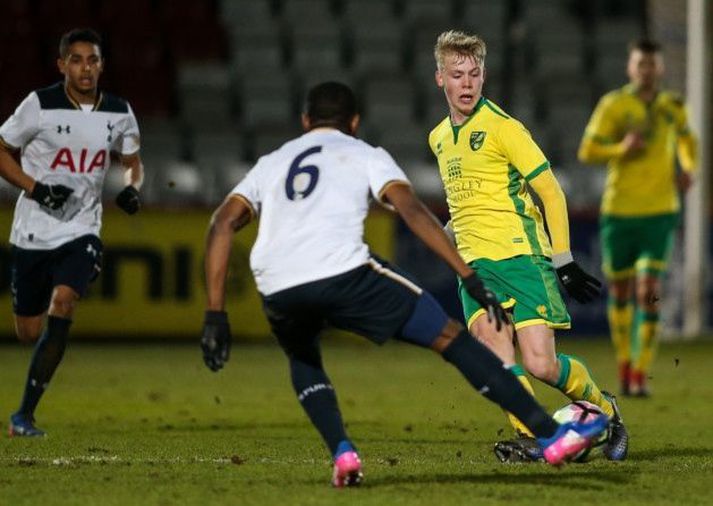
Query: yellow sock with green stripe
{"points": [[621, 316], [519, 372], [577, 384], [647, 328]]}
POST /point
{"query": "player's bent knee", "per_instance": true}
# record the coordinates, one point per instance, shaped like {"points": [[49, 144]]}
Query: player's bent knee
{"points": [[451, 330], [27, 336], [542, 368], [621, 290], [486, 332], [648, 297], [64, 300]]}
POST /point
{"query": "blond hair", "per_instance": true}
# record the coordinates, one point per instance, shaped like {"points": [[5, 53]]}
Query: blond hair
{"points": [[460, 43]]}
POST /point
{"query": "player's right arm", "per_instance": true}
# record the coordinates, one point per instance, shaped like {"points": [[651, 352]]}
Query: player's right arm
{"points": [[11, 171], [51, 196], [16, 132], [427, 228], [600, 142], [232, 215]]}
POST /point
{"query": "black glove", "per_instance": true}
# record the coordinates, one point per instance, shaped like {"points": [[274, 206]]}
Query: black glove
{"points": [[50, 196], [128, 200], [215, 340], [580, 285], [487, 299]]}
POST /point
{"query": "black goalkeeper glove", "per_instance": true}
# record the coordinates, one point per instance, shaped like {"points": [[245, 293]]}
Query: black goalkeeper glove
{"points": [[581, 286], [128, 200], [215, 340], [487, 299], [50, 196]]}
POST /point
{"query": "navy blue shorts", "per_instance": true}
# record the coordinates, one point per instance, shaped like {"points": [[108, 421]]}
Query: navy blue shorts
{"points": [[374, 300], [35, 273]]}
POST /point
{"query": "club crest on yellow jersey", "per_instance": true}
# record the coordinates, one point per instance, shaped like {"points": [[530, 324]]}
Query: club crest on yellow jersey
{"points": [[477, 139]]}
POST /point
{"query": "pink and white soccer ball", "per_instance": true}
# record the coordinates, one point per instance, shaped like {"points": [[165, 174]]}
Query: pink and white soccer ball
{"points": [[580, 411]]}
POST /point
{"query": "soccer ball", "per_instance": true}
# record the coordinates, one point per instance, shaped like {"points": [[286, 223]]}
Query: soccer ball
{"points": [[580, 411]]}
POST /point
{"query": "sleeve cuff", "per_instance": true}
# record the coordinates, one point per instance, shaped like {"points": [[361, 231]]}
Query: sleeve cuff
{"points": [[561, 259], [380, 196]]}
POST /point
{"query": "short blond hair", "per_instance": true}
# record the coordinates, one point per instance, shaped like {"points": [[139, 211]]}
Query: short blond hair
{"points": [[460, 43]]}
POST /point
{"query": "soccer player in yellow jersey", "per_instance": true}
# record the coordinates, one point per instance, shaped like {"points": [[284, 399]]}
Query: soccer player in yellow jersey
{"points": [[487, 159], [637, 130]]}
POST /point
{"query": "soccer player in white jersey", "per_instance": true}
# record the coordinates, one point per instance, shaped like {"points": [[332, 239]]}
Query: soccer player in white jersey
{"points": [[312, 269], [63, 137]]}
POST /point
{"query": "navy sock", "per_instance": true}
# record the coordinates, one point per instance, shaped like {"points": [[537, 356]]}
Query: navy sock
{"points": [[49, 351], [488, 375], [316, 394]]}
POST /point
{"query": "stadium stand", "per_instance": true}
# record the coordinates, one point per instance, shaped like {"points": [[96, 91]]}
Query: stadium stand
{"points": [[216, 84]]}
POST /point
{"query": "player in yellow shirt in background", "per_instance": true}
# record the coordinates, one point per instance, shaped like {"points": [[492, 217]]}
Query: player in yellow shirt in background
{"points": [[486, 160], [637, 130]]}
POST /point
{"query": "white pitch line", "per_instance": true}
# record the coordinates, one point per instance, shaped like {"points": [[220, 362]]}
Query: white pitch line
{"points": [[115, 459]]}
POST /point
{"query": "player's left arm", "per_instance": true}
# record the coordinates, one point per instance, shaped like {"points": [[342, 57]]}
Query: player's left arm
{"points": [[128, 199], [687, 149], [128, 144], [524, 154], [424, 224], [133, 170], [546, 186], [582, 286], [426, 227]]}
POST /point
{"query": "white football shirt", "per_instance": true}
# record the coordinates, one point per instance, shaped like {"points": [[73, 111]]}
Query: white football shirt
{"points": [[63, 144], [312, 196]]}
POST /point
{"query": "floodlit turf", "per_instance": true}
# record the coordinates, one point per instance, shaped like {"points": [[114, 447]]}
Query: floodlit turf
{"points": [[150, 425]]}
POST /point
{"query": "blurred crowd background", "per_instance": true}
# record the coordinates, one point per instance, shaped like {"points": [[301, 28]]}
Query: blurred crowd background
{"points": [[217, 83]]}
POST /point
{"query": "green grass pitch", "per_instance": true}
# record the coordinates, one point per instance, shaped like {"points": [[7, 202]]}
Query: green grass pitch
{"points": [[149, 424]]}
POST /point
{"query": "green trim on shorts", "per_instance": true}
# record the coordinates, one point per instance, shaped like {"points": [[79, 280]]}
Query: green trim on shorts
{"points": [[527, 283], [636, 245]]}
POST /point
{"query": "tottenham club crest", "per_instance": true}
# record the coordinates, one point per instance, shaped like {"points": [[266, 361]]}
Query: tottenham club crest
{"points": [[476, 140], [110, 128]]}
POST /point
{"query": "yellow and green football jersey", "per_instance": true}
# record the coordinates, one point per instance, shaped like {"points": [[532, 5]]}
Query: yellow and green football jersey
{"points": [[485, 164], [645, 183]]}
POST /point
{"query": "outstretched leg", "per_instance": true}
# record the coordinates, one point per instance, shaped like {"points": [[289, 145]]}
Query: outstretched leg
{"points": [[489, 375], [492, 378]]}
